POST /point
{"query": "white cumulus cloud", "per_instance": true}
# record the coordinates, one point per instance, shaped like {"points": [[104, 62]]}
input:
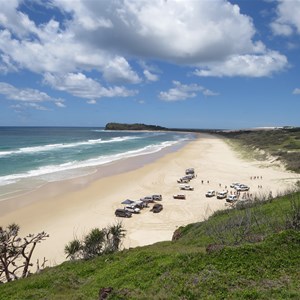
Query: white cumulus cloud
{"points": [[118, 70], [184, 91], [28, 97], [79, 85], [106, 35], [287, 18], [246, 65]]}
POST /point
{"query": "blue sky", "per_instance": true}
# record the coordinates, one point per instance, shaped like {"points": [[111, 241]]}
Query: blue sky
{"points": [[175, 63]]}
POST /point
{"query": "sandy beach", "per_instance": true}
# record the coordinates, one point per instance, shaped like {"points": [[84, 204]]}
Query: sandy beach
{"points": [[69, 209]]}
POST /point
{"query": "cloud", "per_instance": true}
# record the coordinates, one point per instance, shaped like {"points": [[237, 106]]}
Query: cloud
{"points": [[246, 65], [60, 104], [92, 101], [6, 65], [150, 71], [287, 19], [15, 20], [150, 76], [184, 91], [296, 91], [118, 70], [105, 35], [207, 92], [81, 86], [281, 29], [28, 97]]}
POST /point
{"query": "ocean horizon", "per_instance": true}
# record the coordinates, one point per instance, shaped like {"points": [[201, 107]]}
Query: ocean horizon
{"points": [[33, 156]]}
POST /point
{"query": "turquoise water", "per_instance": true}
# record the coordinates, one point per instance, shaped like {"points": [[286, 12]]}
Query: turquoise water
{"points": [[38, 155]]}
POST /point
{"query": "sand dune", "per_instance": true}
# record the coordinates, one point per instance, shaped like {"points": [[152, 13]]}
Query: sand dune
{"points": [[72, 208]]}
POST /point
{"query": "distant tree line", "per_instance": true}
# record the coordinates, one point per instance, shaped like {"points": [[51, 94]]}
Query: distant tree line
{"points": [[136, 126]]}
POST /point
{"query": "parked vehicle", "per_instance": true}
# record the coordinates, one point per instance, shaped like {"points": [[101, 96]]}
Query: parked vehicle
{"points": [[183, 180], [157, 197], [190, 171], [132, 209], [210, 193], [122, 213], [222, 195], [157, 208], [242, 188], [186, 188], [140, 204], [189, 176], [233, 185], [231, 198], [148, 199], [179, 196]]}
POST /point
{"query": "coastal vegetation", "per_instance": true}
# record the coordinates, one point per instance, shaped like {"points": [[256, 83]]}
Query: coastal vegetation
{"points": [[96, 243], [16, 252], [135, 126], [250, 252], [280, 144]]}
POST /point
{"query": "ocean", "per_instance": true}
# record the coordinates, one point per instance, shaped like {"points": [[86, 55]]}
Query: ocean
{"points": [[32, 156]]}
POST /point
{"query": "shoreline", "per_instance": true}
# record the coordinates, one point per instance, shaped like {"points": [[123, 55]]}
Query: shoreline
{"points": [[88, 204], [60, 187]]}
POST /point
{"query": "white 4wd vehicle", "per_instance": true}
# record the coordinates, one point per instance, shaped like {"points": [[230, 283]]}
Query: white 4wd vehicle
{"points": [[186, 188], [210, 193], [242, 188], [132, 209], [233, 185], [222, 195], [231, 198]]}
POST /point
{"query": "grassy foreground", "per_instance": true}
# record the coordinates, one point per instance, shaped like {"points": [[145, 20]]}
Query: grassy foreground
{"points": [[246, 253]]}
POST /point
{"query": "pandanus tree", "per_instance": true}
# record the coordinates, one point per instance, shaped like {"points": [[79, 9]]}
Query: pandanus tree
{"points": [[96, 243], [16, 252], [117, 233]]}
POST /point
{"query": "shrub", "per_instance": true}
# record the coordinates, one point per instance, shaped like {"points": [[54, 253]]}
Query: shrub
{"points": [[96, 243]]}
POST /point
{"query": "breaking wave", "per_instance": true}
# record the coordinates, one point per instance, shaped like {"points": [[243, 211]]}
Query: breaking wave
{"points": [[52, 147]]}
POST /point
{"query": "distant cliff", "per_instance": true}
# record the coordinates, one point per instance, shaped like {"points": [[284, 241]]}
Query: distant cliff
{"points": [[136, 126]]}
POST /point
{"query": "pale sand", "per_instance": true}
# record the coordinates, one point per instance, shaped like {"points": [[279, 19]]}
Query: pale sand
{"points": [[92, 204]]}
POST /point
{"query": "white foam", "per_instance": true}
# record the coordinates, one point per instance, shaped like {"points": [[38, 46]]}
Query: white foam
{"points": [[51, 147], [51, 169]]}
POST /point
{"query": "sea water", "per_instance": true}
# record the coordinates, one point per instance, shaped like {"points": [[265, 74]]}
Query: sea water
{"points": [[33, 156]]}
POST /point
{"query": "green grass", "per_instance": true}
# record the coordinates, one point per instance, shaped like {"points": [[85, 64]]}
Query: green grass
{"points": [[184, 269], [283, 144]]}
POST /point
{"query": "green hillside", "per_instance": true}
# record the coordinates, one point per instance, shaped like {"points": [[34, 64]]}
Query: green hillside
{"points": [[245, 253]]}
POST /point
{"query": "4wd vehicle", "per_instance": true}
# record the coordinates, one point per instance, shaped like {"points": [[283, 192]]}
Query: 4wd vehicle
{"points": [[222, 195], [147, 199], [189, 177], [242, 188], [231, 198], [122, 213], [234, 184], [186, 188], [190, 171], [183, 180], [210, 193], [179, 196], [157, 197], [132, 209], [157, 208]]}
